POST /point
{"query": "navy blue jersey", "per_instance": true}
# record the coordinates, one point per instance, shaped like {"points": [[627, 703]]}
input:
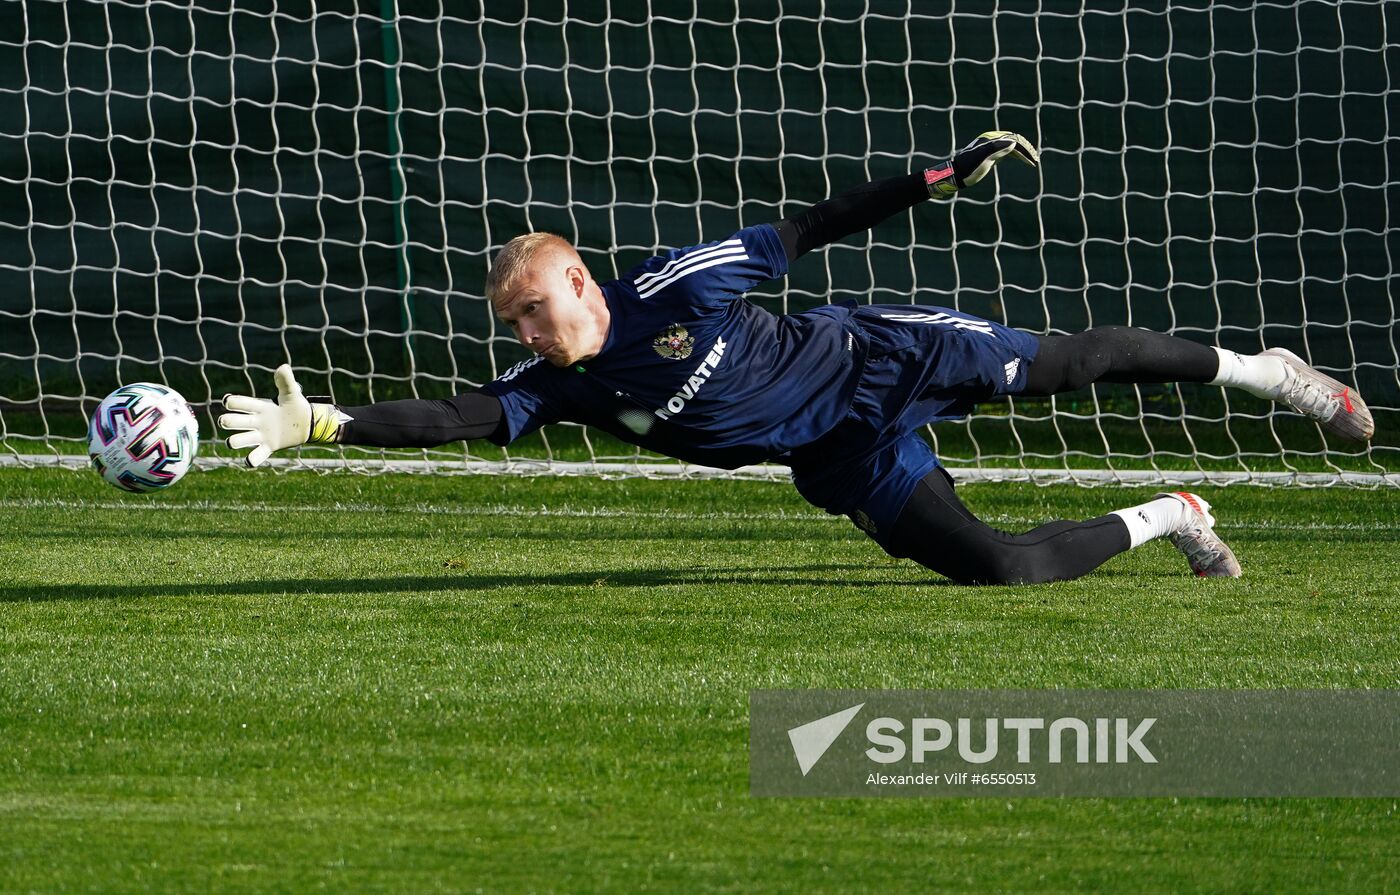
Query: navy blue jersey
{"points": [[692, 370]]}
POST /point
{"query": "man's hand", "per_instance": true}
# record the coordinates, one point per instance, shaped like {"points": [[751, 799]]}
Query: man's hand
{"points": [[267, 426], [971, 163]]}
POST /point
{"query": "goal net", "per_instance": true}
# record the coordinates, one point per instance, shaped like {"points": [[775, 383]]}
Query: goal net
{"points": [[195, 193]]}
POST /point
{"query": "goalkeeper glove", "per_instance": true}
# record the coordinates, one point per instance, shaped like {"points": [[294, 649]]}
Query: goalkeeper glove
{"points": [[971, 163], [291, 420]]}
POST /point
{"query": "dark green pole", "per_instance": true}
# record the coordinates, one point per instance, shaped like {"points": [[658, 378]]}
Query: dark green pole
{"points": [[390, 40]]}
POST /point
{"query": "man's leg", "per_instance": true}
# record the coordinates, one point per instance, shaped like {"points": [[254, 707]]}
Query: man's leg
{"points": [[1127, 354], [937, 531], [1121, 354]]}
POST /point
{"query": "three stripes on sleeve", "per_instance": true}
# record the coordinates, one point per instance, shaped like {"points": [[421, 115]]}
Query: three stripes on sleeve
{"points": [[682, 266]]}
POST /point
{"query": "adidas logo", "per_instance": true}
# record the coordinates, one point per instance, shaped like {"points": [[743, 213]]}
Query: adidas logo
{"points": [[1011, 370]]}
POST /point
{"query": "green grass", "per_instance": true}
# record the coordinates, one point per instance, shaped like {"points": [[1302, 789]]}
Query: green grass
{"points": [[263, 682]]}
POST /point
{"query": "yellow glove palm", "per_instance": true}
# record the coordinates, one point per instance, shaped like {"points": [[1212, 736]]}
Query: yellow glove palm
{"points": [[975, 160]]}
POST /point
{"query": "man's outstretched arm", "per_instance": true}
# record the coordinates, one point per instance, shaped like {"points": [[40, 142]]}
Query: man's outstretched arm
{"points": [[292, 420], [869, 204]]}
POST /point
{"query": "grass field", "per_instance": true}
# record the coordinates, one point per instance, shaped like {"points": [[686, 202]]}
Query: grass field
{"points": [[263, 682]]}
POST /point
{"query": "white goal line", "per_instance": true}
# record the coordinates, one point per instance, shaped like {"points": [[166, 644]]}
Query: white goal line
{"points": [[541, 512], [761, 472]]}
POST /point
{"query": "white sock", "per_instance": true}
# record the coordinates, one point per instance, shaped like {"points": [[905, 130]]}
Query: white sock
{"points": [[1257, 374], [1154, 519]]}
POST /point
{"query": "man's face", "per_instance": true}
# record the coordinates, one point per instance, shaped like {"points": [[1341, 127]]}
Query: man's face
{"points": [[548, 310]]}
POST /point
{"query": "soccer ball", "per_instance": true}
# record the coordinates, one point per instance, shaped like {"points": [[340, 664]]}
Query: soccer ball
{"points": [[143, 437]]}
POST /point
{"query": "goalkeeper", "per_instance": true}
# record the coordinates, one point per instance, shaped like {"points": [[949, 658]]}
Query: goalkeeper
{"points": [[671, 357]]}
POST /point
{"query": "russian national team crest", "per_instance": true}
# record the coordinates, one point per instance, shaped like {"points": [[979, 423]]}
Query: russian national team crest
{"points": [[674, 342]]}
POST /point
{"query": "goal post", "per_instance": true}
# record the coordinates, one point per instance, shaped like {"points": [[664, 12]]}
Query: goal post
{"points": [[196, 192]]}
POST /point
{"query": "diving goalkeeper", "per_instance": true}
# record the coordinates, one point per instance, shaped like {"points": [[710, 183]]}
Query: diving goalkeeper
{"points": [[673, 358]]}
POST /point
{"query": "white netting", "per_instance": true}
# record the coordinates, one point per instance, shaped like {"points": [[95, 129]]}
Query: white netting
{"points": [[194, 194]]}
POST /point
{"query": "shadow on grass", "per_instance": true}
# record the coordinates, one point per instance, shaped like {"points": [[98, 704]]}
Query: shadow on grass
{"points": [[454, 581]]}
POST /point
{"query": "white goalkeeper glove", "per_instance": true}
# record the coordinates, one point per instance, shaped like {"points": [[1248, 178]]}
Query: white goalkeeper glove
{"points": [[971, 163], [291, 420]]}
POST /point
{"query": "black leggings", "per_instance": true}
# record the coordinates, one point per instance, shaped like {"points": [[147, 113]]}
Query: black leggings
{"points": [[935, 530], [1116, 354]]}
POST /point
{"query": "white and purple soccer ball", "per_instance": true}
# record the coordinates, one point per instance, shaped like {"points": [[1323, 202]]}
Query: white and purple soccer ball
{"points": [[143, 437]]}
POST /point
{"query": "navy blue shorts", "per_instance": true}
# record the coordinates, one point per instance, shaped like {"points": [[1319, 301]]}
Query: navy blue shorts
{"points": [[923, 364]]}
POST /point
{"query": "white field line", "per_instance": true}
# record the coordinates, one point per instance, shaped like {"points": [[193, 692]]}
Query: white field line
{"points": [[501, 510], [411, 509], [767, 472]]}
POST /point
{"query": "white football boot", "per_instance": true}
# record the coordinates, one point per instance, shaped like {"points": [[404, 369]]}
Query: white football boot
{"points": [[1209, 556], [1336, 407]]}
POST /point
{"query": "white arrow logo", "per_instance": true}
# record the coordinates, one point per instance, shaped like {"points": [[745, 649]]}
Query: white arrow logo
{"points": [[811, 740]]}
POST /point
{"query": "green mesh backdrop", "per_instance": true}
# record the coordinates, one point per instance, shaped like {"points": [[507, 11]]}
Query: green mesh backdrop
{"points": [[195, 193]]}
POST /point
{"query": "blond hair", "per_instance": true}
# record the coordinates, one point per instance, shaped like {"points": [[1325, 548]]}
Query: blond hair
{"points": [[516, 257]]}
